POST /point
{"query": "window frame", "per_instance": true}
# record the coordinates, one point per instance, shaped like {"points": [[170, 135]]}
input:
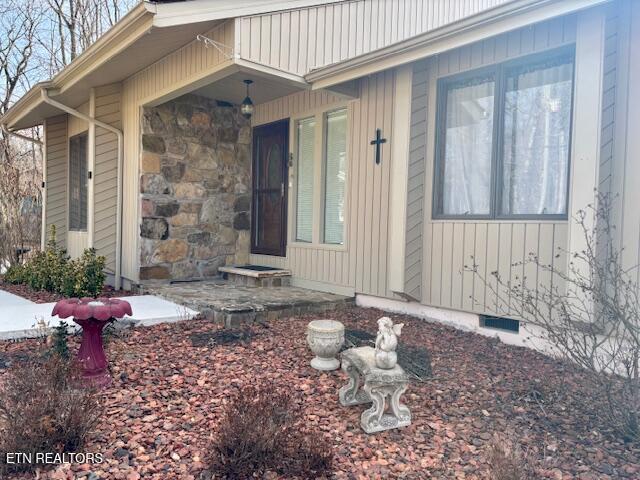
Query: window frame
{"points": [[319, 114], [323, 177], [499, 71], [70, 140], [295, 163]]}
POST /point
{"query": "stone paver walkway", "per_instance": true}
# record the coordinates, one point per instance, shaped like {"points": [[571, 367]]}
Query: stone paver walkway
{"points": [[233, 304]]}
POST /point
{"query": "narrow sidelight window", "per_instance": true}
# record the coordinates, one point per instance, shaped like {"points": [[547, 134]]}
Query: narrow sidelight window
{"points": [[503, 142], [304, 179], [78, 182], [335, 164]]}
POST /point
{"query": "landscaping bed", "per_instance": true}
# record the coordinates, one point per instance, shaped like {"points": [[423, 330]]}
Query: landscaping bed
{"points": [[42, 296], [171, 383]]}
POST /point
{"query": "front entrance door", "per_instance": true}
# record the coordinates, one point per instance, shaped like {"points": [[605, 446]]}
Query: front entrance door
{"points": [[269, 212]]}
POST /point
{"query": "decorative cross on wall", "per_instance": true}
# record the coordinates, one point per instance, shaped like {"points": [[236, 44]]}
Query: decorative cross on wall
{"points": [[378, 143]]}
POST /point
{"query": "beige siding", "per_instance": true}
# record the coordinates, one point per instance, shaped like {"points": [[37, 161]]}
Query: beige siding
{"points": [[56, 180], [77, 125], [414, 251], [300, 40], [108, 110], [608, 99], [494, 245], [626, 170], [360, 266], [165, 79]]}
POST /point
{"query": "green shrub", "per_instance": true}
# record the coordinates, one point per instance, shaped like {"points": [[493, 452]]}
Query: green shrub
{"points": [[60, 344], [52, 270], [14, 274]]}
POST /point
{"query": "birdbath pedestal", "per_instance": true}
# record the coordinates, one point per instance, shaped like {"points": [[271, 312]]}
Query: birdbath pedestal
{"points": [[93, 315]]}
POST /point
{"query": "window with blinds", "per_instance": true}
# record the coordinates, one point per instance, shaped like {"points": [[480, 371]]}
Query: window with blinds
{"points": [[304, 175], [335, 165], [78, 182]]}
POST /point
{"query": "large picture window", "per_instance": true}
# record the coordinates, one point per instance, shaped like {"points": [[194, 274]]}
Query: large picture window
{"points": [[503, 143], [78, 182]]}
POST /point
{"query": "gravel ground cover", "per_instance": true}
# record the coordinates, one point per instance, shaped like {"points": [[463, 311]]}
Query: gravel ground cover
{"points": [[172, 382]]}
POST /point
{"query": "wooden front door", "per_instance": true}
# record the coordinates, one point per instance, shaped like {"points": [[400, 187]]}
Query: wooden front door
{"points": [[270, 165]]}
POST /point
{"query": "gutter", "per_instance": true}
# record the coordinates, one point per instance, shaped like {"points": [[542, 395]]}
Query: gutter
{"points": [[120, 136]]}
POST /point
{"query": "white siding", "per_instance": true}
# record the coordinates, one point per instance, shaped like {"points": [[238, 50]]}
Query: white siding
{"points": [[299, 40], [56, 180]]}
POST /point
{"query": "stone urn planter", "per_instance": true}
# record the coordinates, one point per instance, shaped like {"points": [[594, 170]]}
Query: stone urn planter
{"points": [[325, 338], [92, 315]]}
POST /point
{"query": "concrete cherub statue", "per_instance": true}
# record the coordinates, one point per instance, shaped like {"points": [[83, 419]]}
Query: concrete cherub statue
{"points": [[386, 343]]}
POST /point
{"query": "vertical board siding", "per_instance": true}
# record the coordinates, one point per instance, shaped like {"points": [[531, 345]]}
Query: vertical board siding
{"points": [[609, 76], [57, 159], [362, 264], [188, 64], [451, 247], [416, 183], [325, 34], [108, 110]]}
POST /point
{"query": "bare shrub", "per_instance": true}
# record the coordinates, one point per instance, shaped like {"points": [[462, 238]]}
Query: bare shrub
{"points": [[43, 410], [507, 461], [589, 313], [262, 430]]}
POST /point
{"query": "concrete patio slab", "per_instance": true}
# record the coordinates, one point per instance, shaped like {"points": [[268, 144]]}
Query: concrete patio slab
{"points": [[9, 300], [34, 319]]}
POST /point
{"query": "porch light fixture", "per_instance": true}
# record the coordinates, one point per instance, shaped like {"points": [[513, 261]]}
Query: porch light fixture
{"points": [[247, 107]]}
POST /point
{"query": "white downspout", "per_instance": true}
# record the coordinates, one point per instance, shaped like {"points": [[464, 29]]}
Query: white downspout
{"points": [[119, 134]]}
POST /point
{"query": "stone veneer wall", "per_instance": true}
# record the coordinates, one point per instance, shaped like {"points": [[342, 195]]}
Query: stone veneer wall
{"points": [[195, 189]]}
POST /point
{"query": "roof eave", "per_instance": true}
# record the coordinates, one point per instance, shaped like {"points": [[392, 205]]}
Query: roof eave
{"points": [[131, 27], [508, 17]]}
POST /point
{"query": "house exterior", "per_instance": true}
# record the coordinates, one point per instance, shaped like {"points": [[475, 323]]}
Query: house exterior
{"points": [[391, 142]]}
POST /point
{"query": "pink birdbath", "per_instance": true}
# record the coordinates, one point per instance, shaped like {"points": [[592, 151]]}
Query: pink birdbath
{"points": [[93, 315]]}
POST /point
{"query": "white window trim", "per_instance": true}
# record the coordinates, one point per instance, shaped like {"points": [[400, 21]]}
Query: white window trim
{"points": [[320, 115]]}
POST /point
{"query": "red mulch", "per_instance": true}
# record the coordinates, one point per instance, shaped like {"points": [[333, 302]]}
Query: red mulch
{"points": [[168, 395], [42, 296]]}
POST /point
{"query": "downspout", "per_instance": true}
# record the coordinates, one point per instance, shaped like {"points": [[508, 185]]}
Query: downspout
{"points": [[43, 227], [120, 136]]}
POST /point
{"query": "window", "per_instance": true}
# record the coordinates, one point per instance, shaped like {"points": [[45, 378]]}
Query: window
{"points": [[305, 179], [78, 182], [319, 177], [504, 139], [335, 165]]}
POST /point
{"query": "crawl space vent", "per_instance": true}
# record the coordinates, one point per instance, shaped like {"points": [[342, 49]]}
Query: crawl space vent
{"points": [[500, 323]]}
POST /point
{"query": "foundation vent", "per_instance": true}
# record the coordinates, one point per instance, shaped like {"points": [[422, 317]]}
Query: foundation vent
{"points": [[500, 323]]}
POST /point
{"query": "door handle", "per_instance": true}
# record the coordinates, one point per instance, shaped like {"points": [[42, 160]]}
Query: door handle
{"points": [[282, 189]]}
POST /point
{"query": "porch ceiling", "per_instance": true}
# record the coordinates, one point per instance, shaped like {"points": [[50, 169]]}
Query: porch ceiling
{"points": [[233, 90]]}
